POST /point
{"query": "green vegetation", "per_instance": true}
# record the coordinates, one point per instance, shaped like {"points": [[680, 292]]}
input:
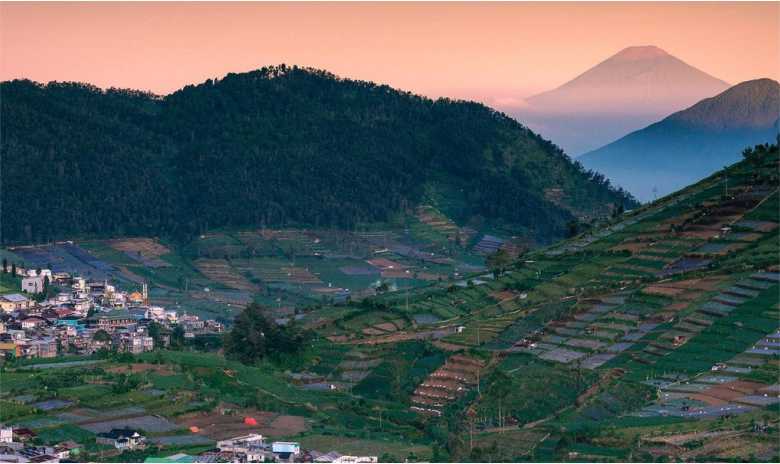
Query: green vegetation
{"points": [[176, 171], [254, 337]]}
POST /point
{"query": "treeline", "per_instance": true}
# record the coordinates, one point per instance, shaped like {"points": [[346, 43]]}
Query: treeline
{"points": [[276, 146]]}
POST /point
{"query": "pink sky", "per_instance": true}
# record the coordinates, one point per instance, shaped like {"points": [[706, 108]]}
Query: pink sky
{"points": [[493, 52]]}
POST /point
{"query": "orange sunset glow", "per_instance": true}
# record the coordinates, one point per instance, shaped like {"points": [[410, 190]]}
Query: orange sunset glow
{"points": [[498, 53]]}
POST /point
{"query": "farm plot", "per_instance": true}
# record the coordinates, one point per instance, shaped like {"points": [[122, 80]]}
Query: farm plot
{"points": [[294, 242], [481, 331], [592, 337], [147, 423], [434, 226], [220, 270], [530, 390], [684, 265], [146, 251], [257, 243], [396, 377], [221, 423], [489, 244], [218, 246], [399, 450], [692, 324], [717, 342], [718, 248], [356, 365], [446, 384], [508, 445], [762, 227], [65, 257], [711, 395]]}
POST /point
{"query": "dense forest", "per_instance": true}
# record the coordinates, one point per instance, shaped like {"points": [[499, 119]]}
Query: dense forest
{"points": [[277, 146]]}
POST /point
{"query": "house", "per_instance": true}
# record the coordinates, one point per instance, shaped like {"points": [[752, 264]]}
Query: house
{"points": [[67, 449], [285, 450], [6, 435], [325, 457], [286, 447], [159, 314], [136, 297], [38, 348], [135, 343], [38, 454], [5, 349], [113, 319], [23, 434], [14, 302], [122, 439], [33, 284], [79, 284], [242, 444], [356, 460], [8, 454], [33, 322]]}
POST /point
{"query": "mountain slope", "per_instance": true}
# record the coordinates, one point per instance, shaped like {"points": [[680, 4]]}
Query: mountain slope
{"points": [[693, 143], [631, 89], [586, 333], [275, 146]]}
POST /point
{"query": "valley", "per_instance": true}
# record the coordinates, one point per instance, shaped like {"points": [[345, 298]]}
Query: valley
{"points": [[650, 336]]}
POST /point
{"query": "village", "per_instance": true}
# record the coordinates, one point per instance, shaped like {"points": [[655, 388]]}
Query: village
{"points": [[81, 317], [55, 314]]}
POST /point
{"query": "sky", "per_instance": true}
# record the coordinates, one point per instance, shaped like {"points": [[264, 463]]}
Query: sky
{"points": [[497, 53]]}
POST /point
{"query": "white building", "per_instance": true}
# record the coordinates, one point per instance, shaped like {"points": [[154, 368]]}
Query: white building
{"points": [[243, 444], [286, 447], [6, 435], [356, 460], [33, 284], [79, 284]]}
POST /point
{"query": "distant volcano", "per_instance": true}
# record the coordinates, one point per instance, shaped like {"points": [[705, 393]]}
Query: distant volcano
{"points": [[631, 89], [635, 80]]}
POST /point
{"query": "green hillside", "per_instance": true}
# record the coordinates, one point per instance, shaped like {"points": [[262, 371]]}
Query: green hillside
{"points": [[278, 146], [662, 325]]}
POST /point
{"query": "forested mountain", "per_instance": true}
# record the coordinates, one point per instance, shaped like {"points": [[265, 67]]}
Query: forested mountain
{"points": [[275, 146], [691, 144]]}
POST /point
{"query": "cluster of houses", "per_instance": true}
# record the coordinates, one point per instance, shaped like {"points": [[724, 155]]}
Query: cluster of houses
{"points": [[254, 448], [16, 446], [82, 317]]}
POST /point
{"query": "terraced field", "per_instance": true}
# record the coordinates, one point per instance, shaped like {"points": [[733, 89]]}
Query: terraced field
{"points": [[669, 313]]}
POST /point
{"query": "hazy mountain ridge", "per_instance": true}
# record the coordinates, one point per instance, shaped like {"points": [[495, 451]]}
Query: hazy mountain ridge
{"points": [[691, 144]]}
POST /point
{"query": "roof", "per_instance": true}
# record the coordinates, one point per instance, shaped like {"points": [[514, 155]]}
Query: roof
{"points": [[14, 297], [179, 457], [120, 314], [118, 433]]}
